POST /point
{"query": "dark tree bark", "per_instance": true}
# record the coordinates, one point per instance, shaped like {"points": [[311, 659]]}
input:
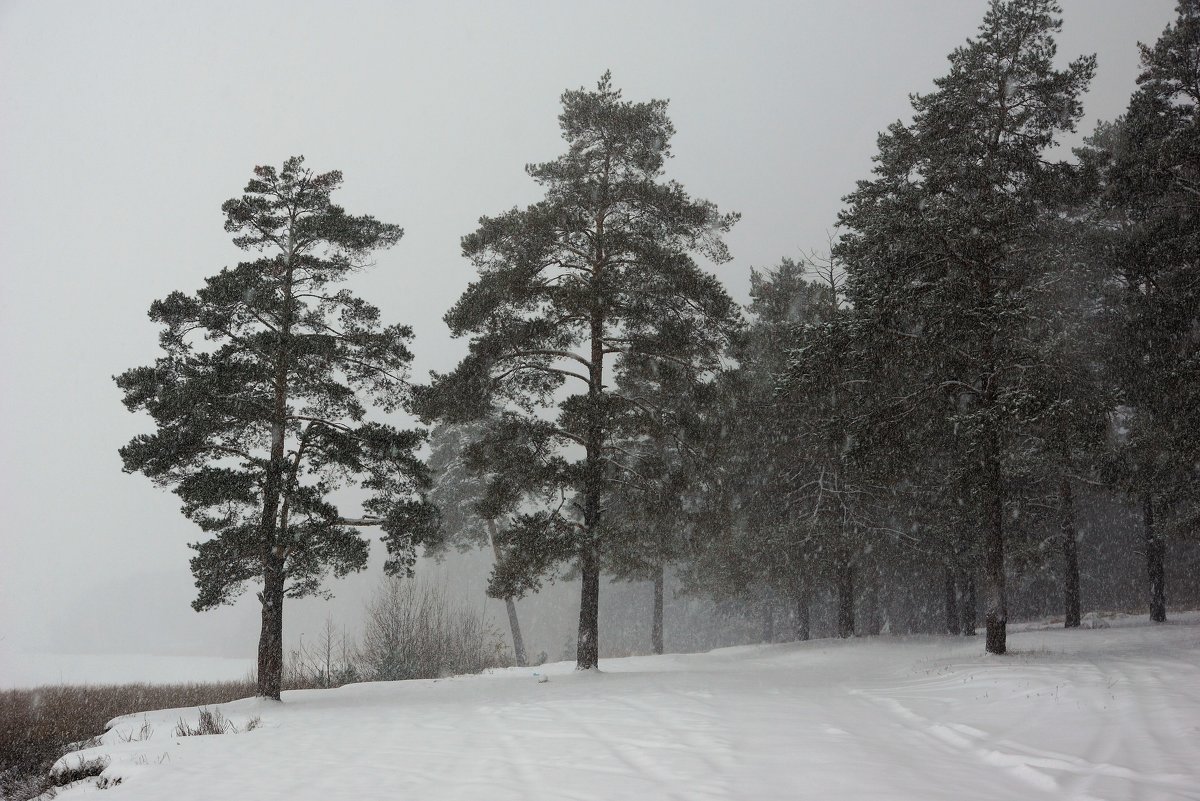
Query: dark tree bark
{"points": [[587, 654], [768, 622], [1155, 557], [803, 621], [588, 646], [270, 640], [845, 599], [1070, 553], [872, 622], [656, 626], [996, 614], [950, 595], [967, 603]]}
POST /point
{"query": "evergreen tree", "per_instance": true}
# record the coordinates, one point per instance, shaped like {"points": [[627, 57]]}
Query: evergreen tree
{"points": [[260, 405], [658, 466], [1070, 397], [592, 281], [940, 251], [1149, 165], [778, 517], [817, 394], [647, 520]]}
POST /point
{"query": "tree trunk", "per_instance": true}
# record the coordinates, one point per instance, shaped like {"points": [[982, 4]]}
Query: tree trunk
{"points": [[656, 626], [270, 639], [587, 654], [996, 614], [950, 596], [1155, 557], [872, 622], [274, 559], [513, 623], [967, 603], [768, 622], [1070, 546], [845, 599], [274, 555], [803, 621], [518, 641]]}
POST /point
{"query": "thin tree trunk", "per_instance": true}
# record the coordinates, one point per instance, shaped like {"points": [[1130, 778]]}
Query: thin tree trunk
{"points": [[996, 601], [513, 623], [803, 620], [996, 614], [656, 627], [950, 596], [845, 599], [872, 623], [587, 654], [1070, 554], [768, 622], [968, 603], [1155, 558]]}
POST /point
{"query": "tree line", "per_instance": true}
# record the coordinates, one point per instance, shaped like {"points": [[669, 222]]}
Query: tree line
{"points": [[994, 331]]}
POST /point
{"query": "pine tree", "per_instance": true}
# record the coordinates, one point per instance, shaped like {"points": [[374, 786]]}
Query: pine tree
{"points": [[646, 523], [1070, 391], [654, 486], [260, 405], [1149, 165], [940, 248], [780, 516], [595, 278], [816, 394]]}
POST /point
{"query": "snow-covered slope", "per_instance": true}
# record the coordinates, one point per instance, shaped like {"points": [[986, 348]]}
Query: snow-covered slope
{"points": [[1107, 713]]}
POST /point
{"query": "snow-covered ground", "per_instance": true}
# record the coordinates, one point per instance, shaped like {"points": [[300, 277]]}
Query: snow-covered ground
{"points": [[1106, 713]]}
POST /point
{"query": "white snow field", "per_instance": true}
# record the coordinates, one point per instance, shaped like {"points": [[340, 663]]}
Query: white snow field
{"points": [[1106, 713]]}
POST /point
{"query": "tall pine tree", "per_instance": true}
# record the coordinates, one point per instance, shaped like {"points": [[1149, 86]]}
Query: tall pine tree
{"points": [[260, 405], [940, 248], [593, 280], [1149, 164]]}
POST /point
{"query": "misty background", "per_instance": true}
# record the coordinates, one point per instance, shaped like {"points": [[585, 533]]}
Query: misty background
{"points": [[125, 125]]}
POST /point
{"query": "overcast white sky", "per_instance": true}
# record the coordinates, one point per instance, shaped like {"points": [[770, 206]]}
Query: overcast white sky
{"points": [[124, 125]]}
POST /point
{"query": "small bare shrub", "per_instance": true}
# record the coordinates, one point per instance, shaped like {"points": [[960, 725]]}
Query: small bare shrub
{"points": [[329, 661], [413, 631]]}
